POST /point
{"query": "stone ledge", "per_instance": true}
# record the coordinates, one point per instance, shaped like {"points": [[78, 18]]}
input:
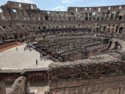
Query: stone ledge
{"points": [[94, 67]]}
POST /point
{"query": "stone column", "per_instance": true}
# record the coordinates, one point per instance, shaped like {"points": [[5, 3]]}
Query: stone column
{"points": [[123, 33], [2, 86], [27, 87]]}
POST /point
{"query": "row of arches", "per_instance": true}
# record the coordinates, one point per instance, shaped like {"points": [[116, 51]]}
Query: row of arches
{"points": [[113, 30], [105, 15]]}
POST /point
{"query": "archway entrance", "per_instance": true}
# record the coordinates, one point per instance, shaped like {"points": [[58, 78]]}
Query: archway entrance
{"points": [[120, 30], [97, 30], [116, 29], [46, 17], [120, 17]]}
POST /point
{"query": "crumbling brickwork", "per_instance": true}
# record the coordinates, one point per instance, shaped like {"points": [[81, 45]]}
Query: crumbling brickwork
{"points": [[20, 86], [103, 74], [60, 35], [2, 86], [21, 21]]}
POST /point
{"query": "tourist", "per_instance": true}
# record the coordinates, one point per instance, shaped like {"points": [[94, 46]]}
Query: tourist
{"points": [[36, 62], [16, 49], [41, 56]]}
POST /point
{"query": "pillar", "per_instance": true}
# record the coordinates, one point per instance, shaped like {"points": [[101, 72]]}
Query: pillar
{"points": [[2, 86]]}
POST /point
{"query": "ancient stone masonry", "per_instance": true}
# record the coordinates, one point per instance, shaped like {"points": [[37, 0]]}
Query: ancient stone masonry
{"points": [[92, 68], [2, 86], [33, 75], [20, 86], [86, 44], [80, 77], [70, 48], [21, 21], [100, 74]]}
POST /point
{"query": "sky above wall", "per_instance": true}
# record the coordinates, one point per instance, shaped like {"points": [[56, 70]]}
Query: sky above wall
{"points": [[62, 5]]}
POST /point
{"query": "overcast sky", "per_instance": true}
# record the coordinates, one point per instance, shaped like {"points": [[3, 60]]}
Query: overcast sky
{"points": [[62, 5]]}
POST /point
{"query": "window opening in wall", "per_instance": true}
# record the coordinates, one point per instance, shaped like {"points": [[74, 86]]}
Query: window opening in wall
{"points": [[46, 17], [31, 6], [48, 12], [86, 18], [23, 26], [44, 27], [120, 30], [56, 27], [120, 17], [14, 10], [73, 26], [120, 7], [76, 10], [94, 13], [85, 8], [72, 13], [19, 5], [1, 11], [109, 8], [116, 29], [104, 28], [4, 27], [39, 28], [99, 9]]}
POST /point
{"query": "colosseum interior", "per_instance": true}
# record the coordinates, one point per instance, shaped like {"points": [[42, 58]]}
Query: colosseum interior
{"points": [[78, 51]]}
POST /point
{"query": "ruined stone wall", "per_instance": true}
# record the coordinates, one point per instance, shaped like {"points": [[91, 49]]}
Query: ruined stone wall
{"points": [[102, 85], [21, 22], [2, 86], [32, 76], [20, 86], [101, 74]]}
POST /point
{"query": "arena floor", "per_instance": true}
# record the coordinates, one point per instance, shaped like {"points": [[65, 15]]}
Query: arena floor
{"points": [[18, 58]]}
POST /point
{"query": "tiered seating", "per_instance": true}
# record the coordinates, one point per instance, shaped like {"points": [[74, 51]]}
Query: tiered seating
{"points": [[6, 46]]}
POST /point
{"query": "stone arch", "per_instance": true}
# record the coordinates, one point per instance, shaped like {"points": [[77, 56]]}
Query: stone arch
{"points": [[39, 27], [120, 30], [14, 10], [20, 5], [116, 29], [57, 27], [1, 11], [72, 13], [73, 26], [32, 7], [46, 17], [4, 27], [86, 16], [104, 28], [120, 17], [33, 27], [44, 27]]}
